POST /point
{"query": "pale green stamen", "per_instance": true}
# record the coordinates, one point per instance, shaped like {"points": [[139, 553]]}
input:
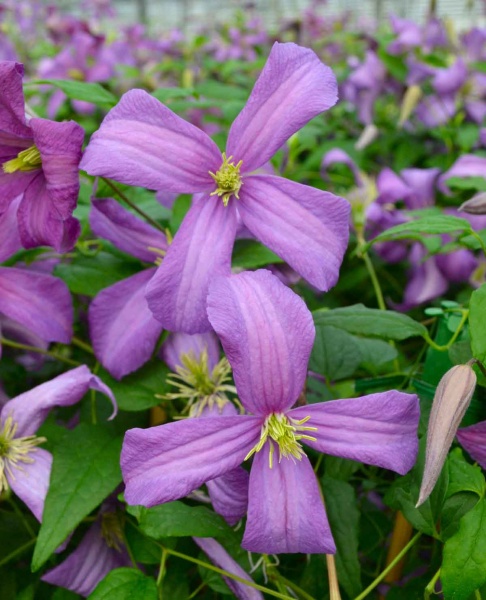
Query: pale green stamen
{"points": [[200, 387], [27, 160], [284, 431], [14, 450], [228, 179]]}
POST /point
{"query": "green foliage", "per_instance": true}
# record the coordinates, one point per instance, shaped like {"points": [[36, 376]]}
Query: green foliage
{"points": [[125, 584], [83, 90], [477, 323]]}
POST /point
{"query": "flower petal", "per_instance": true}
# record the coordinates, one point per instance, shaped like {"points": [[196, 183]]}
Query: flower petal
{"points": [[130, 234], [201, 250], [142, 142], [123, 329], [30, 409], [306, 227], [379, 429], [267, 333], [12, 106], [178, 344], [467, 165], [31, 481], [293, 88], [40, 302], [168, 462], [285, 509], [473, 439], [9, 231], [229, 494]]}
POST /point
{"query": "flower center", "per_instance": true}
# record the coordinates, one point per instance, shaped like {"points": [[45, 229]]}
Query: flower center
{"points": [[27, 160], [195, 383], [228, 179], [14, 450], [112, 530], [284, 431]]}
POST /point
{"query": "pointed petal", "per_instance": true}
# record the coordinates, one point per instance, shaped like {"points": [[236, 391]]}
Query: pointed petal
{"points": [[293, 88], [31, 481], [223, 560], [123, 329], [168, 462], [142, 142], [201, 250], [473, 439], [285, 510], [267, 334], [84, 568], [229, 494], [124, 230], [178, 344], [40, 302], [9, 231], [31, 408], [12, 106], [306, 227], [390, 187], [379, 429]]}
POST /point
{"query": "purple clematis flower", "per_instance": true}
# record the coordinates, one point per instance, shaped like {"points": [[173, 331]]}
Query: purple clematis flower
{"points": [[473, 439], [23, 466], [267, 333], [142, 142], [40, 161]]}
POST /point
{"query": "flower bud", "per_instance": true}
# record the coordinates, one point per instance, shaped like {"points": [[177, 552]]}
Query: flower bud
{"points": [[475, 205], [451, 400], [409, 103]]}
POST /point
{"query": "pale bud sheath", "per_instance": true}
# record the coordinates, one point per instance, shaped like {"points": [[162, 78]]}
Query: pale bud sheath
{"points": [[475, 205], [451, 400]]}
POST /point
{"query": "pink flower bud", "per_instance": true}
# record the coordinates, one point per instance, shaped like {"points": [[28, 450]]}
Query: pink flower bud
{"points": [[475, 205]]}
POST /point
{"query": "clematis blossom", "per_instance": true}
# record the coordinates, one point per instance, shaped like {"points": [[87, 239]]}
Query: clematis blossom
{"points": [[267, 333], [142, 142]]}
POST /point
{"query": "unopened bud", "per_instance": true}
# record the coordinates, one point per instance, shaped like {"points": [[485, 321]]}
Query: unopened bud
{"points": [[409, 103], [451, 400], [476, 205], [368, 135]]}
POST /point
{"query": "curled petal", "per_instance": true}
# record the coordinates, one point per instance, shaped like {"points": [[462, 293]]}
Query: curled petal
{"points": [[9, 231], [267, 333], [12, 105], [473, 439], [339, 156], [178, 344], [229, 494]]}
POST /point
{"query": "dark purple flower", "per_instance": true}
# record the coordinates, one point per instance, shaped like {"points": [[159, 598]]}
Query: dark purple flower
{"points": [[142, 142], [267, 333]]}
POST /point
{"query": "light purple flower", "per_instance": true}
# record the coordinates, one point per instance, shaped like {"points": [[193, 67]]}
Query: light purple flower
{"points": [[40, 161], [267, 333], [23, 466], [142, 142], [473, 439]]}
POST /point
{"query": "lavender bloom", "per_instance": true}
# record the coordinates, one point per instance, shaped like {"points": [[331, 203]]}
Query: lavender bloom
{"points": [[473, 439], [267, 333], [142, 142], [40, 163], [23, 466]]}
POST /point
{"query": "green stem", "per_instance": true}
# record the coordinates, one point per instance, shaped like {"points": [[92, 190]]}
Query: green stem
{"points": [[477, 593], [18, 346], [374, 280], [81, 344], [21, 516], [163, 560], [478, 237], [435, 346], [430, 587], [228, 574], [384, 573], [127, 200], [17, 552], [294, 587], [196, 591]]}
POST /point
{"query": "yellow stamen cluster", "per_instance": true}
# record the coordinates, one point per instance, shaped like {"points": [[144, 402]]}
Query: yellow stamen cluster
{"points": [[14, 450], [283, 430], [228, 179], [27, 160]]}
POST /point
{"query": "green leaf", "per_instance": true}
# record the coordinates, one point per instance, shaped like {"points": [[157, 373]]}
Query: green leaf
{"points": [[464, 477], [83, 90], [85, 470], [125, 584], [164, 94], [176, 519], [376, 352], [477, 323], [335, 354], [455, 507], [467, 183], [342, 509], [370, 322], [248, 254], [464, 559]]}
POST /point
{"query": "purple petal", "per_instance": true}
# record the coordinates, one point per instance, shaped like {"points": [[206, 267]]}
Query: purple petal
{"points": [[467, 165], [201, 250], [339, 156], [30, 409], [379, 429], [223, 560], [84, 568], [168, 462], [306, 227], [123, 329], [457, 266], [229, 494], [285, 509], [123, 229], [422, 185], [40, 302], [391, 187], [436, 110], [451, 79], [473, 439], [178, 344], [293, 88], [9, 232], [30, 481], [12, 107], [267, 334], [142, 142]]}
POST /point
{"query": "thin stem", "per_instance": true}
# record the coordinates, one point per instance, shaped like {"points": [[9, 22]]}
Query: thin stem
{"points": [[445, 347], [196, 591], [81, 344], [430, 587], [17, 552], [374, 280], [26, 348], [21, 516], [383, 574], [295, 588], [163, 560], [478, 237], [231, 575], [127, 200], [333, 578], [477, 593]]}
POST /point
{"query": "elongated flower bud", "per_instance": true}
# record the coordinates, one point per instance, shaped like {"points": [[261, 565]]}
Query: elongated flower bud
{"points": [[451, 400], [409, 103], [475, 205]]}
